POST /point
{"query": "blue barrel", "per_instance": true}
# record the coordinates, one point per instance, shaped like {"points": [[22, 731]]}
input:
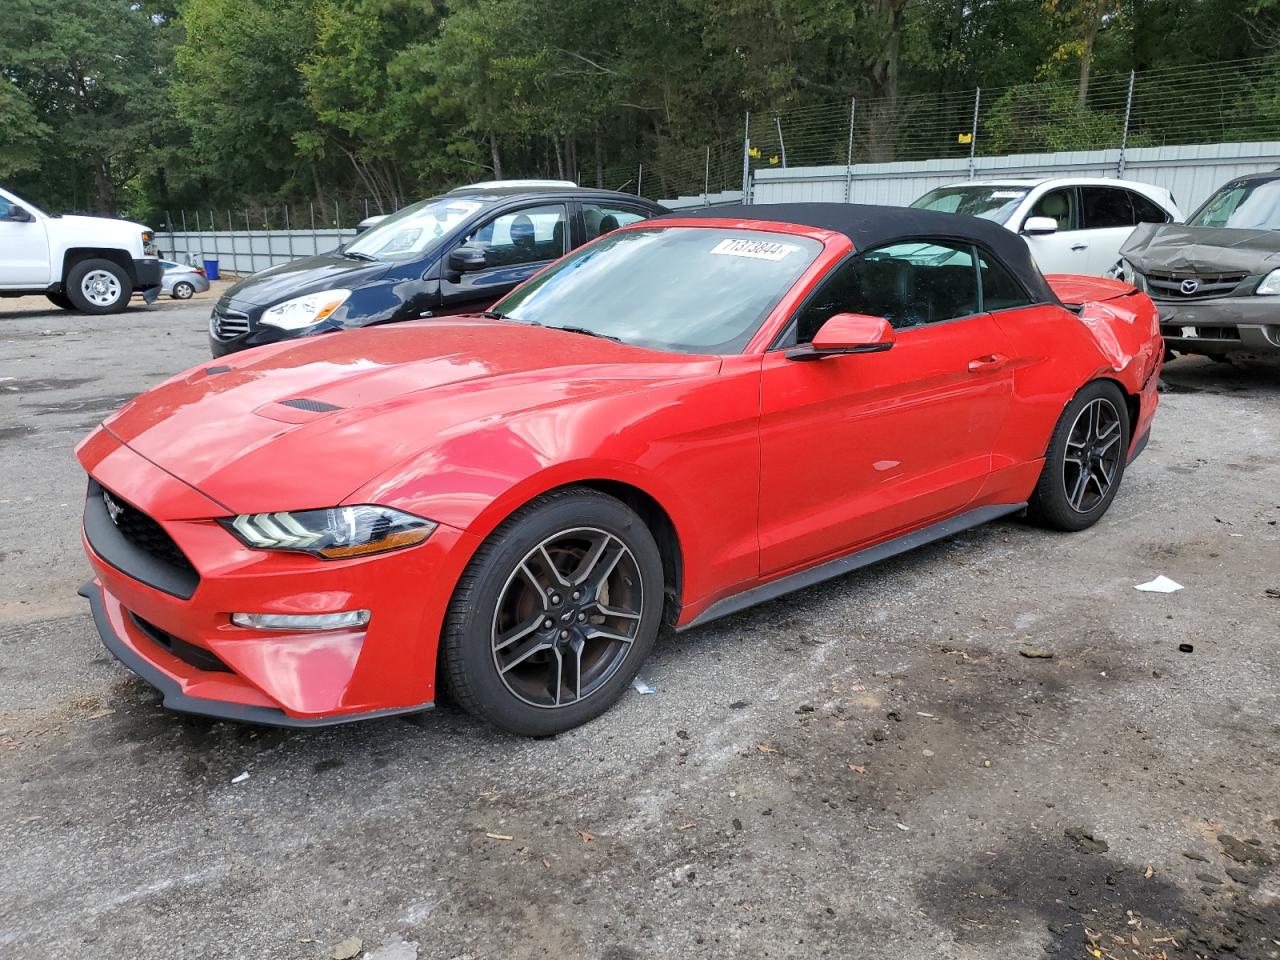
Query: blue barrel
{"points": [[211, 267]]}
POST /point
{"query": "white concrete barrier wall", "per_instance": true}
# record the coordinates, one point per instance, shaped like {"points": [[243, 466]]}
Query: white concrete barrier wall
{"points": [[243, 252]]}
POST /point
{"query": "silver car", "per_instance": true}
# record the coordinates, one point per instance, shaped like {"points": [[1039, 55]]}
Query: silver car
{"points": [[181, 281]]}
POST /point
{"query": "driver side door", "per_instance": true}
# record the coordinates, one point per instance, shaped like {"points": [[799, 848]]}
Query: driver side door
{"points": [[857, 448]]}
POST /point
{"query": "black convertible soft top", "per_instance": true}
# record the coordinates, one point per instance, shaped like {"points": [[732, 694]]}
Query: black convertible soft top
{"points": [[873, 226]]}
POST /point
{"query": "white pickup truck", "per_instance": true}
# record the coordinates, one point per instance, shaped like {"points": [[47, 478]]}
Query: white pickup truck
{"points": [[89, 264]]}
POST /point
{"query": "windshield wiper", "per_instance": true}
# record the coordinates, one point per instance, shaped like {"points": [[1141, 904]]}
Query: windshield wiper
{"points": [[356, 255], [589, 333], [494, 315]]}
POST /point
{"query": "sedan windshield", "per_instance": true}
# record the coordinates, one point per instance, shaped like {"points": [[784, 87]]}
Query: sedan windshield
{"points": [[408, 232], [680, 289], [989, 203], [1243, 204]]}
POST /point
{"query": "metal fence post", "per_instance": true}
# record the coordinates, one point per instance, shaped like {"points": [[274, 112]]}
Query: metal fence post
{"points": [[848, 157], [248, 235], [288, 230], [782, 144], [1124, 134], [973, 131], [706, 179], [639, 179], [235, 257], [200, 234], [746, 160]]}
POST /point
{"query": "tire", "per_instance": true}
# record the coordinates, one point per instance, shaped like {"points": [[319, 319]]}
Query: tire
{"points": [[98, 287], [183, 290], [1094, 428], [60, 300], [520, 648]]}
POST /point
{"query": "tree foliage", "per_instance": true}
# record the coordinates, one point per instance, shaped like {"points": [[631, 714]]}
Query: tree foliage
{"points": [[138, 105]]}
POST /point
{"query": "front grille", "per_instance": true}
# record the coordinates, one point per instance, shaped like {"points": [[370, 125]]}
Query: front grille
{"points": [[135, 544], [1169, 286], [1173, 332], [188, 653], [227, 324]]}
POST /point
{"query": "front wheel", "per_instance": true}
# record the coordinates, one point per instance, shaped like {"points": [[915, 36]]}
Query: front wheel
{"points": [[98, 286], [555, 614], [183, 290], [1085, 461]]}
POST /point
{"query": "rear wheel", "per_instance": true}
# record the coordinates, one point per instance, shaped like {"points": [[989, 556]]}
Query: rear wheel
{"points": [[555, 614], [98, 286], [1085, 461]]}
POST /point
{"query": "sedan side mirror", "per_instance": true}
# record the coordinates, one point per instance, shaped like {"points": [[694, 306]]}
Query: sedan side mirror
{"points": [[847, 333], [19, 214], [1040, 226], [465, 259]]}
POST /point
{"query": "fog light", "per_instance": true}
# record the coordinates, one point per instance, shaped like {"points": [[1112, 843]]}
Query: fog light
{"points": [[307, 621]]}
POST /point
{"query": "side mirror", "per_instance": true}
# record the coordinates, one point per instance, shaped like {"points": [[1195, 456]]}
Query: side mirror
{"points": [[465, 259], [847, 333], [19, 214], [1040, 226]]}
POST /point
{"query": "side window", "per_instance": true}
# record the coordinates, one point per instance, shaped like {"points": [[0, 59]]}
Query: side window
{"points": [[600, 219], [4, 208], [1106, 207], [1144, 211], [999, 290], [1059, 205], [528, 235], [909, 284]]}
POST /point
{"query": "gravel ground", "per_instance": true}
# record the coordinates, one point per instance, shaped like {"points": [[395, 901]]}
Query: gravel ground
{"points": [[871, 768]]}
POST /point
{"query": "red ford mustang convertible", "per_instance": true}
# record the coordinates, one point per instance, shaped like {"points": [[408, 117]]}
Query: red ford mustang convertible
{"points": [[682, 419]]}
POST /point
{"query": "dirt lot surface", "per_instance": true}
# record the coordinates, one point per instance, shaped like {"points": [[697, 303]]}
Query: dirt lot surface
{"points": [[885, 766]]}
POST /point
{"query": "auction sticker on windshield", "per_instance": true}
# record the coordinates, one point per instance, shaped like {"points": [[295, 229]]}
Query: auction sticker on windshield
{"points": [[756, 249]]}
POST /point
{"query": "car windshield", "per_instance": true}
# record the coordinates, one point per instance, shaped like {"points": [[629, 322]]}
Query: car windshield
{"points": [[408, 232], [681, 289], [989, 203], [1244, 204]]}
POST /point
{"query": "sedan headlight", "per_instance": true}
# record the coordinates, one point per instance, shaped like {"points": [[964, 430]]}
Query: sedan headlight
{"points": [[1270, 285], [305, 311], [332, 534]]}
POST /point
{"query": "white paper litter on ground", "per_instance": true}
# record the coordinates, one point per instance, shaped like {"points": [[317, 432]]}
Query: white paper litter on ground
{"points": [[641, 687], [241, 778], [1160, 584]]}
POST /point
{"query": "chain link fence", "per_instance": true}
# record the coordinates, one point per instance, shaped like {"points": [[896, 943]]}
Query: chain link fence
{"points": [[1236, 101]]}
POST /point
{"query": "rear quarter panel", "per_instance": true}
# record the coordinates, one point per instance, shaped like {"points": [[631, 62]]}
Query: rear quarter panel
{"points": [[1115, 336]]}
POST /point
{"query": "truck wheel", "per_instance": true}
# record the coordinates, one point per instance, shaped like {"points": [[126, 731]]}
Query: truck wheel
{"points": [[98, 286], [60, 300]]}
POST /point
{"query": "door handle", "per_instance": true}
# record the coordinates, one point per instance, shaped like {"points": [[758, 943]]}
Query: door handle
{"points": [[1079, 246], [988, 364]]}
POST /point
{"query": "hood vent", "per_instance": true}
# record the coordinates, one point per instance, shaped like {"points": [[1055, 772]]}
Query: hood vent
{"points": [[311, 406]]}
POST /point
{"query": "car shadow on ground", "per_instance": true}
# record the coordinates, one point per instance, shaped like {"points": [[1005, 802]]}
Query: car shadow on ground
{"points": [[1190, 374]]}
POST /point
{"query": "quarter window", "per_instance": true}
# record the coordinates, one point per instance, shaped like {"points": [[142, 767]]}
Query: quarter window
{"points": [[529, 235], [1106, 207], [1144, 211], [999, 290], [599, 219]]}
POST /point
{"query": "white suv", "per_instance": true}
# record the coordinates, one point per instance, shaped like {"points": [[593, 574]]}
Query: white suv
{"points": [[90, 264], [1072, 225]]}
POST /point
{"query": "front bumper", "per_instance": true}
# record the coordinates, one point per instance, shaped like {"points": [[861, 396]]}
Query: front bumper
{"points": [[1223, 325], [234, 326], [188, 648]]}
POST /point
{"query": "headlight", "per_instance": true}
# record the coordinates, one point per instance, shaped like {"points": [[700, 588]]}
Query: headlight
{"points": [[304, 311], [331, 534], [148, 243], [1270, 285], [1123, 270]]}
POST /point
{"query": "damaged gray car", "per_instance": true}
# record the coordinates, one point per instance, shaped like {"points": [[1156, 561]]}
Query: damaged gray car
{"points": [[1216, 278]]}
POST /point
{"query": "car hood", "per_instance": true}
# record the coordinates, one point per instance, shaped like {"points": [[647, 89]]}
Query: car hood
{"points": [[298, 277], [304, 424], [1178, 248]]}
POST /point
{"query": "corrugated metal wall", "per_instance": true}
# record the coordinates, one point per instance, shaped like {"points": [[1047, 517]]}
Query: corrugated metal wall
{"points": [[1191, 172]]}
